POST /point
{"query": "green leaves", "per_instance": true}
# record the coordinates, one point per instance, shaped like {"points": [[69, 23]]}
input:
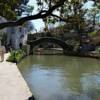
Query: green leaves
{"points": [[10, 8], [16, 56]]}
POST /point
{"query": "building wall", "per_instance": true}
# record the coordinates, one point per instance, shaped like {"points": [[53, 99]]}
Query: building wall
{"points": [[16, 35]]}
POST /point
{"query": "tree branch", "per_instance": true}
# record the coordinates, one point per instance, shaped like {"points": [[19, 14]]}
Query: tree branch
{"points": [[62, 19], [32, 17], [66, 20]]}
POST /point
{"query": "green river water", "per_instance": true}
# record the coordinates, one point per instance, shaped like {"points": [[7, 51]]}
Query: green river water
{"points": [[58, 77]]}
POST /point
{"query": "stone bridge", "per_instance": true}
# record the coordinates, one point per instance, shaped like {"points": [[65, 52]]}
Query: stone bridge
{"points": [[66, 48]]}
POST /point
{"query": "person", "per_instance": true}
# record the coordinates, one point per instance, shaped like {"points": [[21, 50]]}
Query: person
{"points": [[20, 45]]}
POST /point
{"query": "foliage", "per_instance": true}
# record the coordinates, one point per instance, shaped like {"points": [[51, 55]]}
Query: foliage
{"points": [[46, 8], [93, 13], [98, 49], [28, 10], [24, 49], [71, 12], [16, 55], [94, 33], [10, 9]]}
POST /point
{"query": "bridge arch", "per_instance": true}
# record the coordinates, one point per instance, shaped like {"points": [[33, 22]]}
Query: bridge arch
{"points": [[57, 41]]}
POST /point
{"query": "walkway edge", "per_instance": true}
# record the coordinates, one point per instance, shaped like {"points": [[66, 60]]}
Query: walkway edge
{"points": [[12, 83]]}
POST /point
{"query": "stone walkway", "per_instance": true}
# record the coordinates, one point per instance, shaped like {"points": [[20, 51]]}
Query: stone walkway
{"points": [[12, 84]]}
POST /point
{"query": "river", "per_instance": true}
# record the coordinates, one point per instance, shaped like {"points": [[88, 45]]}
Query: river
{"points": [[58, 77]]}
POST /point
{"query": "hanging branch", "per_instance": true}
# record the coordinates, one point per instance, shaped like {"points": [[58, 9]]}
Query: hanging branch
{"points": [[42, 14]]}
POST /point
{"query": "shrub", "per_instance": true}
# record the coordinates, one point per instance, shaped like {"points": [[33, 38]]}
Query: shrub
{"points": [[16, 55], [93, 33]]}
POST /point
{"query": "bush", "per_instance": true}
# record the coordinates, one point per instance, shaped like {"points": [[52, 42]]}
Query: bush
{"points": [[93, 33], [16, 56]]}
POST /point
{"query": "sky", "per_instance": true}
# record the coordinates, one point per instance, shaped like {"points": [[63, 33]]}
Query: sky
{"points": [[39, 24]]}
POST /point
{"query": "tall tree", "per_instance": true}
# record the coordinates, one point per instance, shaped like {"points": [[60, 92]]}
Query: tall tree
{"points": [[92, 14]]}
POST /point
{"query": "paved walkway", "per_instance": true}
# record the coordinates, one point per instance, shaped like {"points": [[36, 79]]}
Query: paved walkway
{"points": [[12, 84]]}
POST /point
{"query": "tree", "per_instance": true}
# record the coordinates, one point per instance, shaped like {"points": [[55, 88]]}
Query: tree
{"points": [[45, 8], [10, 9], [72, 12], [92, 13]]}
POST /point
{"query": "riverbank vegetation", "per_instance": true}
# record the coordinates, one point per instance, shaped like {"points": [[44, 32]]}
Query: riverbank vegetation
{"points": [[16, 56]]}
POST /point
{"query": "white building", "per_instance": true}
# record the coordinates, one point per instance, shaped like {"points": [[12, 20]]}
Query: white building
{"points": [[17, 35]]}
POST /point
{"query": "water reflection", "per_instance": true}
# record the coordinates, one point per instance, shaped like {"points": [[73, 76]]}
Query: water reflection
{"points": [[62, 77]]}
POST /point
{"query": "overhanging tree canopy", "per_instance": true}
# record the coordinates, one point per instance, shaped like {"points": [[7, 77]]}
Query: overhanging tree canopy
{"points": [[45, 8]]}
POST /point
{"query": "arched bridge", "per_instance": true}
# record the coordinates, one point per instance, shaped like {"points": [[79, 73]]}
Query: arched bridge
{"points": [[65, 46]]}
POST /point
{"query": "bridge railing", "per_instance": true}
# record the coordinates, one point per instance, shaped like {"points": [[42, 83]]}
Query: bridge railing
{"points": [[40, 35]]}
